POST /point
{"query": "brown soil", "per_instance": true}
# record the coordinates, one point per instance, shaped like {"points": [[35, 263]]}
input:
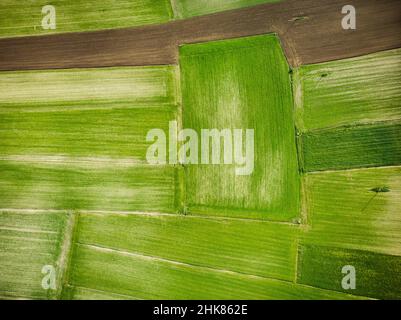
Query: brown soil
{"points": [[310, 31]]}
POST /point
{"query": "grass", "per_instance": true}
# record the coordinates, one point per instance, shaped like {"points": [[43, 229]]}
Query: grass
{"points": [[87, 185], [345, 209], [252, 247], [72, 151], [352, 147], [347, 92], [138, 277], [29, 241], [190, 8], [24, 17], [76, 139], [244, 84], [377, 275], [82, 89]]}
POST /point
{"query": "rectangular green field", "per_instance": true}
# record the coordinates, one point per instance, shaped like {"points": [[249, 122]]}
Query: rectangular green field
{"points": [[85, 112], [87, 185], [347, 92], [30, 241], [24, 17], [376, 275], [352, 147], [355, 209], [113, 272], [252, 247], [242, 84], [190, 8], [83, 89], [76, 139]]}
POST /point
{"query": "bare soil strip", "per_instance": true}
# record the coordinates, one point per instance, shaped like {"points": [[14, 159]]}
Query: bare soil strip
{"points": [[310, 31]]}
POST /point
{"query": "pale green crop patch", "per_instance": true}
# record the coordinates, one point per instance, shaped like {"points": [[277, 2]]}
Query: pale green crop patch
{"points": [[252, 247], [24, 17], [353, 91], [355, 209], [28, 242], [135, 276], [90, 186], [377, 276]]}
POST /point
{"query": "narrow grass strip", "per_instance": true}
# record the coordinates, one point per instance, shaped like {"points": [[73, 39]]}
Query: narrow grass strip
{"points": [[143, 278], [62, 186]]}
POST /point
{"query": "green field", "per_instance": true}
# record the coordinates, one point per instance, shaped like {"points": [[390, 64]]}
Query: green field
{"points": [[352, 147], [242, 84], [190, 8], [356, 209], [30, 240], [77, 192], [24, 17], [353, 91]]}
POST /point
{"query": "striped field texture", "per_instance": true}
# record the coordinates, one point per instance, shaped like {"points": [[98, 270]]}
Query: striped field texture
{"points": [[346, 92], [28, 242], [156, 257], [76, 139], [24, 17], [352, 147], [77, 193], [242, 84]]}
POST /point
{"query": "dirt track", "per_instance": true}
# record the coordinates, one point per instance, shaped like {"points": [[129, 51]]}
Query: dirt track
{"points": [[310, 31]]}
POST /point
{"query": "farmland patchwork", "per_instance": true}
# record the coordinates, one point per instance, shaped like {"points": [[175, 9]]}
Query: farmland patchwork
{"points": [[230, 175]]}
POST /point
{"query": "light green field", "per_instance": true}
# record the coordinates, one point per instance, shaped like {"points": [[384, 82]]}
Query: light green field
{"points": [[87, 185], [347, 92], [242, 84], [355, 209], [190, 8], [104, 135], [24, 17], [29, 241], [77, 193], [142, 277]]}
